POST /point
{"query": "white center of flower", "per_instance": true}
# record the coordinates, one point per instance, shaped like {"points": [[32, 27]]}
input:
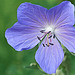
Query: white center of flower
{"points": [[49, 28]]}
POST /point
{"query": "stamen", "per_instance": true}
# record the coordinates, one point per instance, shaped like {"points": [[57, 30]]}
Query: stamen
{"points": [[43, 45], [48, 32], [38, 38], [42, 31], [50, 40], [54, 36], [47, 45], [51, 43], [50, 36], [43, 35]]}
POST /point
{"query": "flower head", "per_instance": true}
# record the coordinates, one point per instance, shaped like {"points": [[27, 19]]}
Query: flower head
{"points": [[36, 23]]}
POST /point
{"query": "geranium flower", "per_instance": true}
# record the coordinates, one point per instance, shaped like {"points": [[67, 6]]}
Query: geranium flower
{"points": [[36, 23]]}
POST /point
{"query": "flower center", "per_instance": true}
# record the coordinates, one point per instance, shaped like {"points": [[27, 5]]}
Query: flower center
{"points": [[48, 34], [47, 29]]}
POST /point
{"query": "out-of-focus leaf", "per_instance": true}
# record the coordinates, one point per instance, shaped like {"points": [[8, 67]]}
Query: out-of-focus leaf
{"points": [[72, 53]]}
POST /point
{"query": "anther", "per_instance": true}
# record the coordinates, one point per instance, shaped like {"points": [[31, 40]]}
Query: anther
{"points": [[54, 36], [42, 31], [51, 43], [43, 45], [38, 38], [48, 32], [50, 36], [47, 45]]}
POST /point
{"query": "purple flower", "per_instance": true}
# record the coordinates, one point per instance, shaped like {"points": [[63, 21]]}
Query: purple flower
{"points": [[36, 23]]}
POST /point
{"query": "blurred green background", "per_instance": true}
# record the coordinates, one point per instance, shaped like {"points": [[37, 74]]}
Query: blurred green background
{"points": [[11, 61]]}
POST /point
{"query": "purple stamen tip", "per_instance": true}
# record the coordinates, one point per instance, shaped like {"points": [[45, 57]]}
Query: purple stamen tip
{"points": [[38, 38], [42, 31], [47, 45], [43, 45], [51, 43]]}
